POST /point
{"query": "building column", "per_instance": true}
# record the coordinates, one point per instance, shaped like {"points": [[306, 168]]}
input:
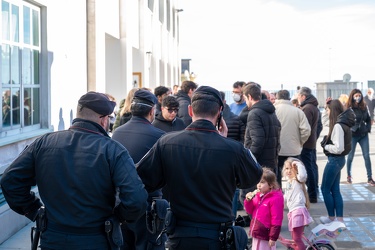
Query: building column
{"points": [[91, 45]]}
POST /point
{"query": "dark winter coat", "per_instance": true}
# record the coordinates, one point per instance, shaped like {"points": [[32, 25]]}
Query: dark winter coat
{"points": [[310, 107], [243, 115], [262, 135], [125, 118], [236, 128], [362, 124], [370, 105], [157, 109], [168, 126], [184, 101]]}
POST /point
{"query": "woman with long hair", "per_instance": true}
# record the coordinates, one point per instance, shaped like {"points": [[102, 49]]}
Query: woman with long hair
{"points": [[125, 115], [335, 145], [360, 132]]}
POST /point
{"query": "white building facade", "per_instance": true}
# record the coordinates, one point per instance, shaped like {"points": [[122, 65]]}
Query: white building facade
{"points": [[53, 52]]}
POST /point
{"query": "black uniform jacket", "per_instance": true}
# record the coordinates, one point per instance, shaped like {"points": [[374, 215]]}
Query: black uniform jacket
{"points": [[202, 170], [77, 172], [138, 136], [137, 130]]}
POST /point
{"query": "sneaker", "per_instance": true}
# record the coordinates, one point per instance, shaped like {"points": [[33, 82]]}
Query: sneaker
{"points": [[371, 182], [349, 180], [325, 219]]}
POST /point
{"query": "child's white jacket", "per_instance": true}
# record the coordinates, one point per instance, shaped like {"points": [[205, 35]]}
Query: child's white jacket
{"points": [[294, 195]]}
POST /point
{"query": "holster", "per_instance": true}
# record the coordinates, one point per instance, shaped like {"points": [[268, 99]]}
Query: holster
{"points": [[170, 222], [112, 227], [41, 225], [155, 217], [235, 238]]}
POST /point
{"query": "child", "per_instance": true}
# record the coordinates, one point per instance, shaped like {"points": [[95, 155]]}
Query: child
{"points": [[296, 199], [266, 205]]}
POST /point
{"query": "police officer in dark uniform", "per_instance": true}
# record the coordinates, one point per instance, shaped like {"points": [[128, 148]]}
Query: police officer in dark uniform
{"points": [[202, 169], [77, 172], [138, 136]]}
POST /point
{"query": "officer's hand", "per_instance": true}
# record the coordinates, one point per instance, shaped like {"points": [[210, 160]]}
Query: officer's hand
{"points": [[223, 129], [32, 212], [119, 212]]}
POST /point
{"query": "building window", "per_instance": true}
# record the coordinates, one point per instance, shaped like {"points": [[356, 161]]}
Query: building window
{"points": [[19, 61]]}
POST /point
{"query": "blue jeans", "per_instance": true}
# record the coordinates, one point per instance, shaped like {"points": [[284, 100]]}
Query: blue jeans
{"points": [[235, 202], [364, 143], [316, 169], [331, 186], [307, 159]]}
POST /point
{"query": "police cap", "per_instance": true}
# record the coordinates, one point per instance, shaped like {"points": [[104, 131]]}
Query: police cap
{"points": [[97, 102], [209, 91], [144, 96]]}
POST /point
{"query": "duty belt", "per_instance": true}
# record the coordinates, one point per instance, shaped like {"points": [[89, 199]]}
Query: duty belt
{"points": [[214, 231], [74, 230], [211, 226]]}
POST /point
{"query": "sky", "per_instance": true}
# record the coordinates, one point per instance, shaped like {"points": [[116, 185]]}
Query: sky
{"points": [[278, 43]]}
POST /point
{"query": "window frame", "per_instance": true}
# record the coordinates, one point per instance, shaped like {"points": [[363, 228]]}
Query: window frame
{"points": [[14, 133]]}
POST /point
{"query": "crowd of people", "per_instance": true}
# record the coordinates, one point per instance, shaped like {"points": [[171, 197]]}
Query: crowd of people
{"points": [[173, 166]]}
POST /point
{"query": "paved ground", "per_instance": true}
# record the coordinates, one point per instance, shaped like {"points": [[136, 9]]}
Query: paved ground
{"points": [[359, 209]]}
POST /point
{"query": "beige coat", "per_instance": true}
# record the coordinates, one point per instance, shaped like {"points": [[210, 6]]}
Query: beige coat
{"points": [[295, 128]]}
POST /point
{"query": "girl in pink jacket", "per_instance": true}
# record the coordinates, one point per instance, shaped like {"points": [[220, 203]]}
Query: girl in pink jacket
{"points": [[266, 205]]}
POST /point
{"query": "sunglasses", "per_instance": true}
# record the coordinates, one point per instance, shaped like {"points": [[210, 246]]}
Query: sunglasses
{"points": [[170, 111]]}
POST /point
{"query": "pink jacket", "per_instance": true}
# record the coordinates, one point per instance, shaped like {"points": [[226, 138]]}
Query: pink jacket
{"points": [[267, 215]]}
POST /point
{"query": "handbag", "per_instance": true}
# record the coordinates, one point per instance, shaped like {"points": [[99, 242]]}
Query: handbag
{"points": [[357, 126]]}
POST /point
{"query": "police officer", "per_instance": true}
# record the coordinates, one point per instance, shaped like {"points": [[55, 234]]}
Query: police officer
{"points": [[77, 172], [202, 169], [138, 136]]}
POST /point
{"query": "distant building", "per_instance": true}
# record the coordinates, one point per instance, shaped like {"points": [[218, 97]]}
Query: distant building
{"points": [[371, 84], [333, 89]]}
